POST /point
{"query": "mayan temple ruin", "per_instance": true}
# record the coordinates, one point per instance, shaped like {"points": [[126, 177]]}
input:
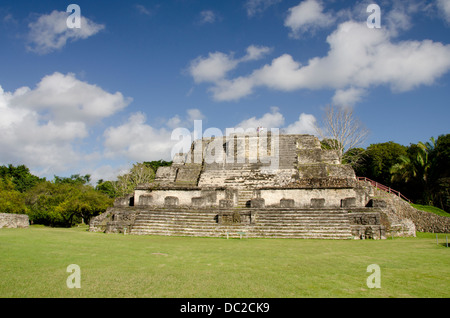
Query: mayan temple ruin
{"points": [[262, 185]]}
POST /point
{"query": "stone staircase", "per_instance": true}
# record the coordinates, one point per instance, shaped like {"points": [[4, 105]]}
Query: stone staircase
{"points": [[244, 197], [273, 223], [307, 224], [287, 153]]}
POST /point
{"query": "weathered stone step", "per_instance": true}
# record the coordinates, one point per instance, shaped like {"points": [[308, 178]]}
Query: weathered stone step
{"points": [[302, 223], [202, 227], [250, 234]]}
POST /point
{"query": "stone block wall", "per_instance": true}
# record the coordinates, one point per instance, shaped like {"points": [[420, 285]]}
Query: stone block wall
{"points": [[404, 220], [114, 220], [8, 220], [328, 198]]}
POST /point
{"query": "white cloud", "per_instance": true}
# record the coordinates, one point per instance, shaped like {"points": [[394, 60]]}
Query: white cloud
{"points": [[255, 53], [227, 90], [106, 172], [194, 114], [444, 8], [307, 16], [348, 97], [137, 141], [274, 119], [37, 132], [68, 99], [306, 124], [27, 140], [255, 7], [215, 67], [358, 58], [50, 32], [211, 68], [207, 16]]}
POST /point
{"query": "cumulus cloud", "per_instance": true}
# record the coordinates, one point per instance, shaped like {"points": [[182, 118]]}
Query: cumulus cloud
{"points": [[306, 124], [211, 68], [37, 131], [274, 119], [68, 99], [307, 16], [136, 140], [50, 32], [358, 58], [348, 97], [215, 67]]}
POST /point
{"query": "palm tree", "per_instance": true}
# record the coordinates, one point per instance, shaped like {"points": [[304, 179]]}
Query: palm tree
{"points": [[416, 169], [404, 171], [423, 158]]}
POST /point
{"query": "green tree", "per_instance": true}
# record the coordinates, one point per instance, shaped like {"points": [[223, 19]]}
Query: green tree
{"points": [[84, 202], [376, 162], [65, 203], [106, 187], [440, 174], [74, 179], [139, 173], [354, 157], [21, 177], [156, 164], [11, 200], [424, 170]]}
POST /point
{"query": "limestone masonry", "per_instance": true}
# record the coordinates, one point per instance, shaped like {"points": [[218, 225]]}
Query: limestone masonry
{"points": [[257, 185], [8, 220]]}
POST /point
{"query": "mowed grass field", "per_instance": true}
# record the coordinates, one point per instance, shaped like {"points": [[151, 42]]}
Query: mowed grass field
{"points": [[34, 261]]}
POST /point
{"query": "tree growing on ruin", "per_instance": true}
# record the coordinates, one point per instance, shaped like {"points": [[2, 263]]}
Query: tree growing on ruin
{"points": [[341, 130]]}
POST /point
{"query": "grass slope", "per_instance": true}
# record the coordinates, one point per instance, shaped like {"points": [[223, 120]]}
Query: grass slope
{"points": [[33, 263], [431, 209]]}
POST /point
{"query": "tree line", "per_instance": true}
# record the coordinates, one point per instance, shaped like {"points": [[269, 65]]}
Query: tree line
{"points": [[419, 171], [66, 201]]}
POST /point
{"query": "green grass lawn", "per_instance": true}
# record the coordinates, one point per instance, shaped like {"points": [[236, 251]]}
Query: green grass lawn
{"points": [[33, 263]]}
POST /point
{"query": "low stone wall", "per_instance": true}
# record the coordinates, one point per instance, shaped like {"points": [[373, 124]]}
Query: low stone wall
{"points": [[8, 220], [401, 212], [428, 222]]}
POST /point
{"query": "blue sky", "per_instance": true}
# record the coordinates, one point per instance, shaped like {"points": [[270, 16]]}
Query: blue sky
{"points": [[97, 99]]}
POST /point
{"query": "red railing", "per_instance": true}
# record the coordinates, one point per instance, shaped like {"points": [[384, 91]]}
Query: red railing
{"points": [[384, 188]]}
